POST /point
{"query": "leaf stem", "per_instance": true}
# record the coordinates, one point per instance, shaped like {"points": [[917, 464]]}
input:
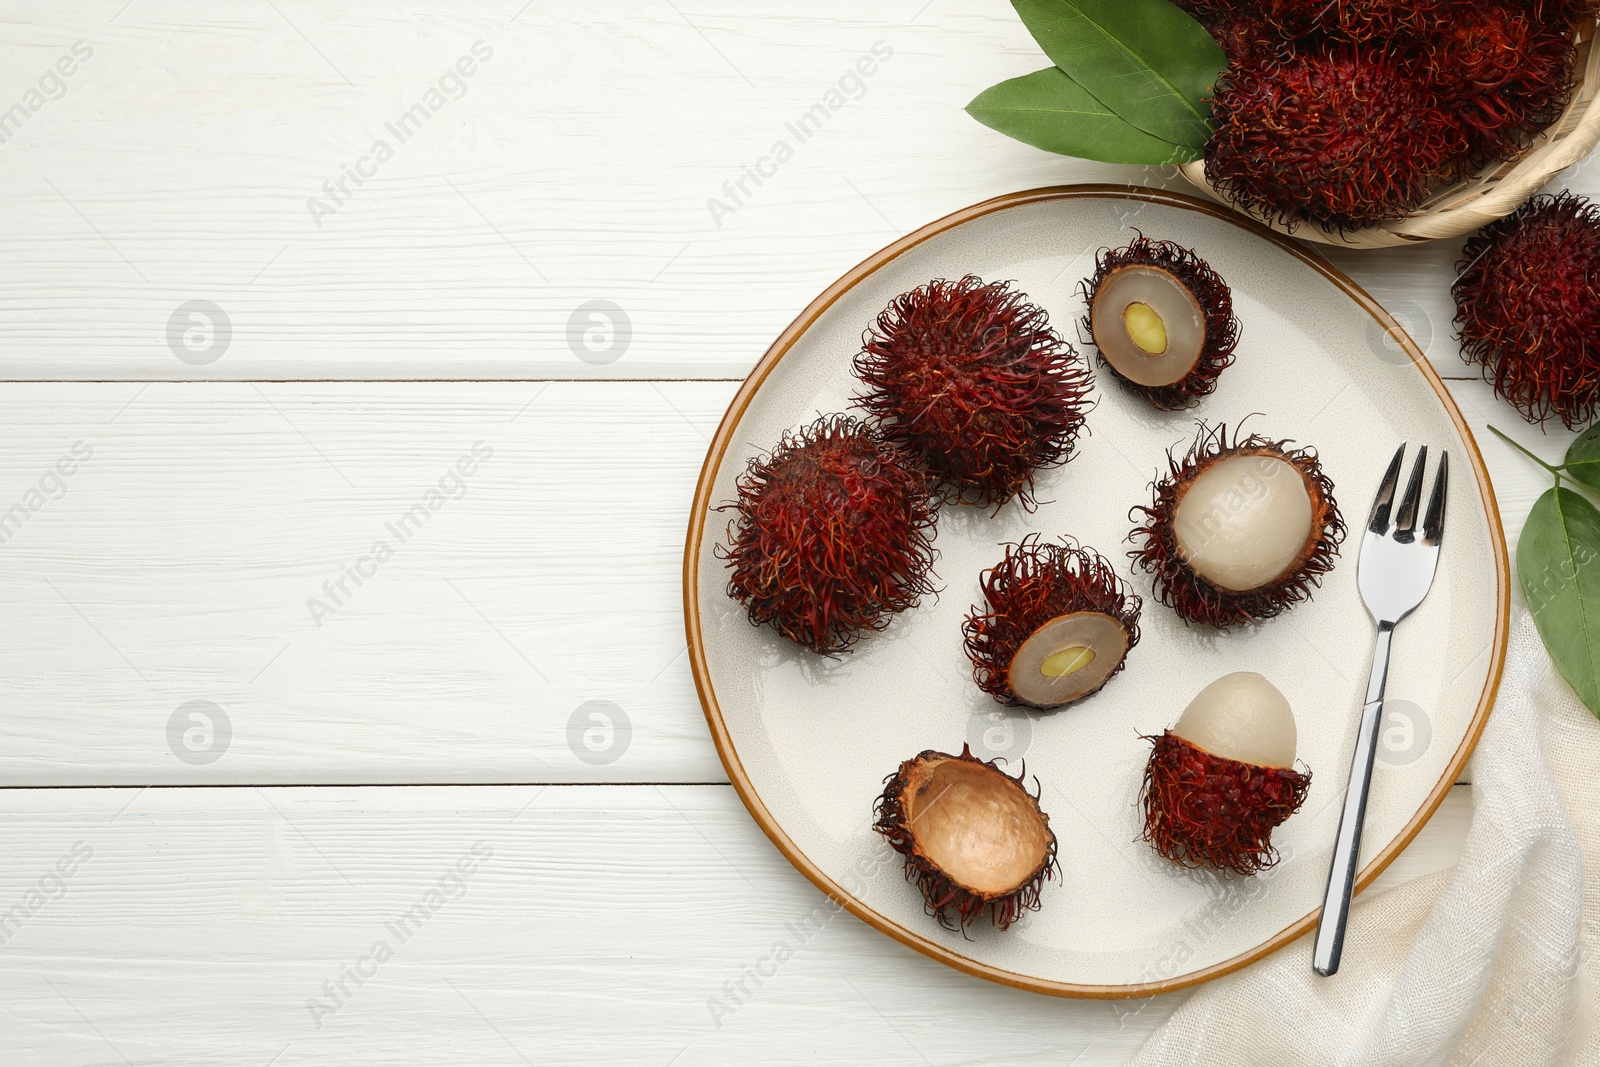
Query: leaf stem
{"points": [[1556, 471]]}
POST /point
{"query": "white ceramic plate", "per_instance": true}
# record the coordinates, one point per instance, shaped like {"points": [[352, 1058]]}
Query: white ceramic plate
{"points": [[808, 740]]}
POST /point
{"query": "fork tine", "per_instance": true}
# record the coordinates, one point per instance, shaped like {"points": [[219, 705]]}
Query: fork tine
{"points": [[1405, 520], [1378, 521], [1433, 523]]}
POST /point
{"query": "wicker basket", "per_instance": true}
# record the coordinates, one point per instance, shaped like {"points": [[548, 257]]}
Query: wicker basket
{"points": [[1493, 193]]}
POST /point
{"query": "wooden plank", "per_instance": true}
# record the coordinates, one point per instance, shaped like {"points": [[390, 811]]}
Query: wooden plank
{"points": [[187, 558], [199, 926], [593, 154]]}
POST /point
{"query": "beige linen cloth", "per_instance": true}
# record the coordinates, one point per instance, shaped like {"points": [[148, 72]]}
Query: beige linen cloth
{"points": [[1492, 962]]}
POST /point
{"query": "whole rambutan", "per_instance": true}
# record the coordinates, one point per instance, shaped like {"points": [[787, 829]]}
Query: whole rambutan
{"points": [[1527, 295], [971, 378], [1238, 531], [1243, 34], [973, 838], [1355, 20], [1162, 321], [831, 537], [1223, 778], [1344, 135], [1056, 626], [1501, 74]]}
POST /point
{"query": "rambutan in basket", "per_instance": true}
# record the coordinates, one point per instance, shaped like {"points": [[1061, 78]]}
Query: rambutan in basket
{"points": [[1492, 193]]}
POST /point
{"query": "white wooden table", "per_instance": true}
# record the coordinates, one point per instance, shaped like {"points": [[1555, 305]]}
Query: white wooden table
{"points": [[415, 359]]}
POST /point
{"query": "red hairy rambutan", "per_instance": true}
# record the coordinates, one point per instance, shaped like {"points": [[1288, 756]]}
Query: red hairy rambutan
{"points": [[1355, 20], [1162, 321], [970, 377], [1059, 624], [1501, 74], [973, 838], [1344, 135], [1238, 531], [832, 535], [1221, 780], [1527, 295]]}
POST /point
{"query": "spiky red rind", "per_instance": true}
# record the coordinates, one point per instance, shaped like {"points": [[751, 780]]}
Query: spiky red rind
{"points": [[1203, 810], [954, 905], [1501, 74], [1033, 583], [1355, 20], [1527, 296], [971, 377], [831, 537], [1209, 291], [1339, 134], [1191, 596]]}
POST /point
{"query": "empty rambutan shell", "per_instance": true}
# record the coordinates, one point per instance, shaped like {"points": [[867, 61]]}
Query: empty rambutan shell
{"points": [[1527, 295], [1345, 135], [831, 536], [1056, 625], [1223, 778], [1238, 531], [1162, 321], [970, 377], [974, 840]]}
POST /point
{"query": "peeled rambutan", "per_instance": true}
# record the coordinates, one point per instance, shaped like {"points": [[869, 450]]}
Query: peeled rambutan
{"points": [[1162, 321], [1340, 134], [1238, 531], [1059, 624], [1501, 74], [970, 377], [1220, 781], [973, 838], [832, 535], [1527, 295]]}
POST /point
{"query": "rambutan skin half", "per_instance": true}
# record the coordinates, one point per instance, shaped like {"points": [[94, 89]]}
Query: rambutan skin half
{"points": [[1034, 582], [1197, 600], [1527, 295], [1339, 134], [1501, 74], [832, 535], [953, 904], [1209, 290], [971, 378], [1203, 810]]}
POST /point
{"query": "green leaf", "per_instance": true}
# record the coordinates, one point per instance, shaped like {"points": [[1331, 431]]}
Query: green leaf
{"points": [[1583, 458], [1147, 61], [1558, 562], [1049, 110]]}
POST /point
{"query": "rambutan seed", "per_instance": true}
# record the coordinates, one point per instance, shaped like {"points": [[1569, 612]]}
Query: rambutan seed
{"points": [[1527, 296]]}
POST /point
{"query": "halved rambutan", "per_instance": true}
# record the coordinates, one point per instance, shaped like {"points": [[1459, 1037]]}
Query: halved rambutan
{"points": [[1238, 531], [1162, 321], [970, 377], [1059, 624], [1220, 781], [1340, 134], [1500, 73], [973, 838], [1527, 295], [832, 535]]}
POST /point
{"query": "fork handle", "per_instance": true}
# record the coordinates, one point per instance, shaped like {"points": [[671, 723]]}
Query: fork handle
{"points": [[1346, 848]]}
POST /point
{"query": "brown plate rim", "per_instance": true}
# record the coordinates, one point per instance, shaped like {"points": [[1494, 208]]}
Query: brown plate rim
{"points": [[702, 510]]}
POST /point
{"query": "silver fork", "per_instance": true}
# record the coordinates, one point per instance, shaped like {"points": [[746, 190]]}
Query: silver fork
{"points": [[1394, 574]]}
